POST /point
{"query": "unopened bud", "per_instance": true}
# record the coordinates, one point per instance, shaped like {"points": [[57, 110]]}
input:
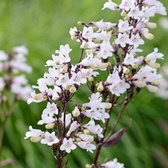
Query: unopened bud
{"points": [[126, 71], [72, 89], [123, 14], [64, 69], [157, 83], [135, 66], [78, 140], [39, 96], [151, 25], [148, 36], [88, 166], [36, 139], [126, 17], [108, 105], [86, 131], [90, 79], [147, 60], [100, 87], [76, 112], [104, 65], [49, 126]]}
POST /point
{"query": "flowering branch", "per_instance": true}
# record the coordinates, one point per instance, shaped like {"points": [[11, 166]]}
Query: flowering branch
{"points": [[112, 48]]}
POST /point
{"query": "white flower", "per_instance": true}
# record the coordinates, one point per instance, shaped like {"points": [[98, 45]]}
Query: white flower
{"points": [[62, 56], [72, 128], [124, 26], [88, 33], [67, 145], [152, 58], [110, 5], [48, 115], [86, 145], [136, 40], [112, 164], [95, 129], [3, 56], [20, 50], [163, 87], [127, 5], [78, 79], [50, 139], [2, 84], [106, 50], [103, 25], [93, 62], [36, 97], [116, 85], [97, 108], [136, 13], [147, 77], [85, 137], [131, 60], [67, 119], [122, 39], [34, 134], [98, 114], [73, 32]]}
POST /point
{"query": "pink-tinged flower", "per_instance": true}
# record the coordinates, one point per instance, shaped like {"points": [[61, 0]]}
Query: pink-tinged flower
{"points": [[49, 139], [68, 145], [112, 164], [86, 145], [110, 5], [123, 39], [35, 134]]}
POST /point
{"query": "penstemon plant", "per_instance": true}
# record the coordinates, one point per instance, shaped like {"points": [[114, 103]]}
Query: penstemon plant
{"points": [[111, 49], [13, 83]]}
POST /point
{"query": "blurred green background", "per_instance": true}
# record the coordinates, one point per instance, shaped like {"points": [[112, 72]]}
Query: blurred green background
{"points": [[42, 25]]}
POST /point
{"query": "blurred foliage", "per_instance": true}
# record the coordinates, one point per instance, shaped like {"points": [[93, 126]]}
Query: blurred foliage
{"points": [[42, 25]]}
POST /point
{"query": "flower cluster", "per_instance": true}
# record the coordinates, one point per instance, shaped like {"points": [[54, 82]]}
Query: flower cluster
{"points": [[105, 46], [12, 67]]}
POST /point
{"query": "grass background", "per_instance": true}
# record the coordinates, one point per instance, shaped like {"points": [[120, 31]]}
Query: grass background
{"points": [[42, 25]]}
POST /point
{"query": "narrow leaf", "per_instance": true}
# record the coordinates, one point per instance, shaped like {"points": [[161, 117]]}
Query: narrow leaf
{"points": [[115, 138]]}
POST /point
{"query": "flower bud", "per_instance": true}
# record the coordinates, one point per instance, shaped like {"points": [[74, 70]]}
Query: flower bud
{"points": [[147, 60], [126, 17], [151, 25], [36, 139], [39, 96], [123, 14], [157, 83], [126, 71], [104, 65], [88, 166], [90, 79], [78, 140], [72, 89], [135, 66], [86, 131], [64, 69], [76, 112], [49, 126], [108, 105], [100, 87], [148, 36]]}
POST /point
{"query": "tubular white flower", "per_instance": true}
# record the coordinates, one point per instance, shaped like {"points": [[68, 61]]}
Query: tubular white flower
{"points": [[67, 145], [50, 139], [112, 164]]}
